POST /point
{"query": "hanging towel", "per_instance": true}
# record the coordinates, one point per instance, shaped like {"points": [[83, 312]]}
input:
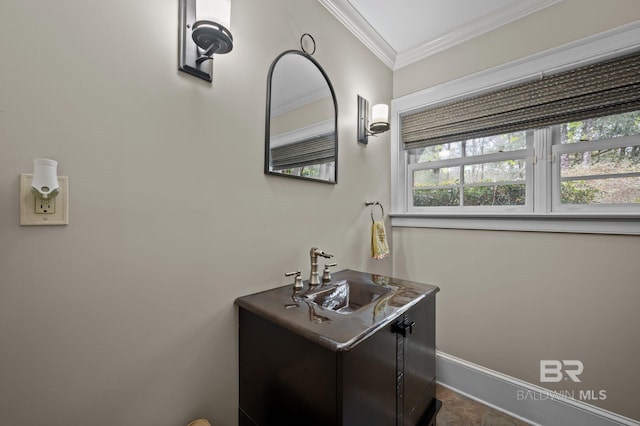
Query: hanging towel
{"points": [[379, 246]]}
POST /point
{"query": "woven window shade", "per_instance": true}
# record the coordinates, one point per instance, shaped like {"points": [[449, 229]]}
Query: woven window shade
{"points": [[316, 150], [604, 88]]}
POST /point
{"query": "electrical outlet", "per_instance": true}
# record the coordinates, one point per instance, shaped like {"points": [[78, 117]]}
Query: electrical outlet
{"points": [[45, 206], [36, 211]]}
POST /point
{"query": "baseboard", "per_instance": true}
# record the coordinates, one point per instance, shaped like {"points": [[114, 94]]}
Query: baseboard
{"points": [[501, 392]]}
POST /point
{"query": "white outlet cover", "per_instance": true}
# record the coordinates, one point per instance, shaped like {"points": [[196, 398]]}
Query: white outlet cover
{"points": [[28, 216]]}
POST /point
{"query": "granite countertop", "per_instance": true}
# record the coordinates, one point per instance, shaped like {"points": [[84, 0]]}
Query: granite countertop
{"points": [[290, 309]]}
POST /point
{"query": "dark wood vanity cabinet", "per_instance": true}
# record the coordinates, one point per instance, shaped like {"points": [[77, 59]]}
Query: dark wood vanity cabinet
{"points": [[388, 378]]}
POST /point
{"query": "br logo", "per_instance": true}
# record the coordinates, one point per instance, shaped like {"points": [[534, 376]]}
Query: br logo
{"points": [[554, 370]]}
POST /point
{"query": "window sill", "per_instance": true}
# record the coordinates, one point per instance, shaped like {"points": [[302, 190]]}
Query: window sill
{"points": [[555, 222]]}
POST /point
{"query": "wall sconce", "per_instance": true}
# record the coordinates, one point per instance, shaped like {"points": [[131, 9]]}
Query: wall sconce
{"points": [[204, 31], [379, 120]]}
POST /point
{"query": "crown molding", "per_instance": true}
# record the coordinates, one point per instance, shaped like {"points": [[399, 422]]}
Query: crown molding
{"points": [[350, 18], [301, 101], [355, 23], [482, 25], [312, 130]]}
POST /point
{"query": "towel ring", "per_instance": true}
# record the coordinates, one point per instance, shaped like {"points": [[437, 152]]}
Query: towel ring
{"points": [[373, 204]]}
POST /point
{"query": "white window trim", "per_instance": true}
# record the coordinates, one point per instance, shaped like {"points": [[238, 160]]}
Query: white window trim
{"points": [[558, 149], [592, 49], [519, 154]]}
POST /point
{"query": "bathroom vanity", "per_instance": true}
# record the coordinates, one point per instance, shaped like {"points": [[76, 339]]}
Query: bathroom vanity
{"points": [[359, 350]]}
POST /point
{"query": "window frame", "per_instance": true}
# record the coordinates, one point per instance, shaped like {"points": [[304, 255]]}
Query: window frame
{"points": [[546, 216], [525, 154], [557, 149]]}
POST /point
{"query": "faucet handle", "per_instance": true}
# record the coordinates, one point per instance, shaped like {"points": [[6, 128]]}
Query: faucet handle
{"points": [[326, 274], [297, 281]]}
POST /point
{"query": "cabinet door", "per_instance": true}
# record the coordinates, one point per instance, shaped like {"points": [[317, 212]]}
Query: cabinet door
{"points": [[419, 362], [389, 379], [285, 379], [368, 374]]}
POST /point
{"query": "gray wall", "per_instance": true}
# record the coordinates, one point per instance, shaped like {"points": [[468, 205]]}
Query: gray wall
{"points": [[510, 299], [126, 316]]}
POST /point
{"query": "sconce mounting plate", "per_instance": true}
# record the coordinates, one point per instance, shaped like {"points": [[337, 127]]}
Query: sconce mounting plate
{"points": [[363, 119]]}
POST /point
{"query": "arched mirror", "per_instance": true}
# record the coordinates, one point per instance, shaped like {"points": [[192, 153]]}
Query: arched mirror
{"points": [[301, 120]]}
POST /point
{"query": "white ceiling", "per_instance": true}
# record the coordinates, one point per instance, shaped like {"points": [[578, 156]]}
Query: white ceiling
{"points": [[401, 32]]}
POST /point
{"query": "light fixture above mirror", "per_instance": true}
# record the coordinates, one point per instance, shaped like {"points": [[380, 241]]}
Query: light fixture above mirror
{"points": [[379, 120], [203, 32]]}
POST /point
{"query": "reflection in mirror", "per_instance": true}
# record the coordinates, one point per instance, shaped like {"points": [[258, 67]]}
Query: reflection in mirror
{"points": [[300, 139]]}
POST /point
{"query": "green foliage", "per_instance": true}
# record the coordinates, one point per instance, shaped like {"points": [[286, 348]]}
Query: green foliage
{"points": [[307, 171], [577, 192], [602, 164], [436, 197], [310, 171], [497, 195]]}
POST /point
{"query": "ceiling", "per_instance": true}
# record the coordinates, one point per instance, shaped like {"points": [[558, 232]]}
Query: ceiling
{"points": [[401, 32]]}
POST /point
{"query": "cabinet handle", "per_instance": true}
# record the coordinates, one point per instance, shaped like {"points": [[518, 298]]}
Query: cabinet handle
{"points": [[402, 327]]}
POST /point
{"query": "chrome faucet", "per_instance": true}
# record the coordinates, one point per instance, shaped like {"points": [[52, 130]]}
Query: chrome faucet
{"points": [[314, 279]]}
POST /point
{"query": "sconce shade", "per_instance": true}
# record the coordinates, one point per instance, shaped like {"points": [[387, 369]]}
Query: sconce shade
{"points": [[211, 29], [218, 11], [379, 118], [45, 178]]}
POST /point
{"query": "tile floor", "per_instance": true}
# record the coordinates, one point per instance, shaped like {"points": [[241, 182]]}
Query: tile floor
{"points": [[458, 410]]}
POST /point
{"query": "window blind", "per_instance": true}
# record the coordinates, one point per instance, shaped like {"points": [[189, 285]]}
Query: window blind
{"points": [[316, 150], [604, 88]]}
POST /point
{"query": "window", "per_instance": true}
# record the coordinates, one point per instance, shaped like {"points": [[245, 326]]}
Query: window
{"points": [[598, 164], [518, 147], [484, 172], [594, 164]]}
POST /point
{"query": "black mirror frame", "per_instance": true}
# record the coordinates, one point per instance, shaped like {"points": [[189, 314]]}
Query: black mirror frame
{"points": [[268, 119]]}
